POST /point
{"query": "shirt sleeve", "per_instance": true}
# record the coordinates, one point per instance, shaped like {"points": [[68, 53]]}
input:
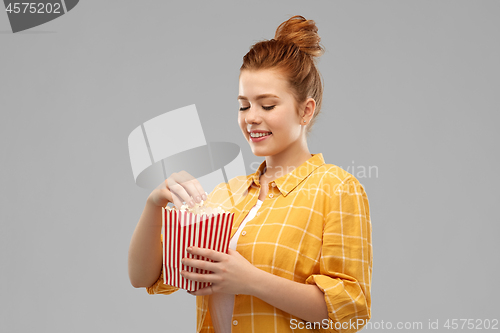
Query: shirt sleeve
{"points": [[159, 287], [346, 259]]}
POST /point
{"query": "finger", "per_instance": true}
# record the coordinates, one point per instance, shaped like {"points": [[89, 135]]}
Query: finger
{"points": [[202, 292], [185, 187], [179, 193], [206, 253], [197, 276], [178, 202], [193, 186], [200, 264]]}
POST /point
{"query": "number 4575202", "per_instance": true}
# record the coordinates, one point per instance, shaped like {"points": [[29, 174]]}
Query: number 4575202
{"points": [[33, 7]]}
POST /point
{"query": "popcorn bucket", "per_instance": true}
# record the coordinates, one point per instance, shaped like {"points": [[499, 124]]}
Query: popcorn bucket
{"points": [[182, 229]]}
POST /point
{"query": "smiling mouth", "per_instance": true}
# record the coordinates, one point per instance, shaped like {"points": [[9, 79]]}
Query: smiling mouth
{"points": [[260, 135]]}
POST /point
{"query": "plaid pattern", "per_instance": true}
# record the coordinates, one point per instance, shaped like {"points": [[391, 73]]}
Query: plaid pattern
{"points": [[313, 227]]}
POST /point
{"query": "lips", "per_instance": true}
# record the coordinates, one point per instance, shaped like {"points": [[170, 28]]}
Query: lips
{"points": [[261, 138]]}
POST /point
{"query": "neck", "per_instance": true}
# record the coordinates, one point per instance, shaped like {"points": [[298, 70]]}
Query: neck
{"points": [[285, 162]]}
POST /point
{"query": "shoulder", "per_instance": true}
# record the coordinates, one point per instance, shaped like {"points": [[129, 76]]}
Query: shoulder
{"points": [[331, 173], [334, 180]]}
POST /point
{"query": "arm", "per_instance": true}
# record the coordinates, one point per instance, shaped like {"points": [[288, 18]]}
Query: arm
{"points": [[346, 257], [304, 301], [145, 251], [233, 274]]}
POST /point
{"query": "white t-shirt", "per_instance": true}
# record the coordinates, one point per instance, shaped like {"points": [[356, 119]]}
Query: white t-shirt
{"points": [[221, 305]]}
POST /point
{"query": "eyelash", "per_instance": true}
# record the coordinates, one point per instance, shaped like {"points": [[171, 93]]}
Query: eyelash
{"points": [[267, 108]]}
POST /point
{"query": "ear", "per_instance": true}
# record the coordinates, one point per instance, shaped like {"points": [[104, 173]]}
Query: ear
{"points": [[309, 107]]}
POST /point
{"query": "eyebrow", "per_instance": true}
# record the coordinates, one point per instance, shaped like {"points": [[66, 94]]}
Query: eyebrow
{"points": [[259, 97]]}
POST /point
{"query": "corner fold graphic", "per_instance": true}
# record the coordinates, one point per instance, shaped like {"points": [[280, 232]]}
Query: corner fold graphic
{"points": [[70, 4]]}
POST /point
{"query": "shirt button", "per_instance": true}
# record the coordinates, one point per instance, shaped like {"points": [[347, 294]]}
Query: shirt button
{"points": [[243, 233], [235, 322], [271, 195]]}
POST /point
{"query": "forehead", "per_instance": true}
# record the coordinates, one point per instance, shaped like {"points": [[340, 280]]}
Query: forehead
{"points": [[262, 81]]}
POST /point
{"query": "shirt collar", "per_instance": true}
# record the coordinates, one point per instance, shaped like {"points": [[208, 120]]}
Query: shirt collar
{"points": [[288, 182]]}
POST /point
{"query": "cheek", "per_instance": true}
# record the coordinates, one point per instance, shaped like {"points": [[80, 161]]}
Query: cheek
{"points": [[241, 122], [288, 130], [281, 125]]}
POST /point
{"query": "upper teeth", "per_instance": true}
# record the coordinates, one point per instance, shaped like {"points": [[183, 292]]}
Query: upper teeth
{"points": [[257, 135]]}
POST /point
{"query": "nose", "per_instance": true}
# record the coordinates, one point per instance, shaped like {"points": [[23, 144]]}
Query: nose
{"points": [[252, 116]]}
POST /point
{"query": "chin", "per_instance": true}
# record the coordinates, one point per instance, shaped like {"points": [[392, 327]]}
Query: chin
{"points": [[263, 152], [258, 152]]}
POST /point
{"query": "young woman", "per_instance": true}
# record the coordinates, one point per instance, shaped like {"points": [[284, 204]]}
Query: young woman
{"points": [[300, 256]]}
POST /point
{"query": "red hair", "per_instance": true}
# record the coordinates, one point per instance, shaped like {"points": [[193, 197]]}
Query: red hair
{"points": [[292, 51]]}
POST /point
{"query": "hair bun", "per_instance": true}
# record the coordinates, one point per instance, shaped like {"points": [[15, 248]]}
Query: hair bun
{"points": [[301, 32]]}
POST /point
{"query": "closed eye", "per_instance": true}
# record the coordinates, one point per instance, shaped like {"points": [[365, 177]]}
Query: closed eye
{"points": [[244, 108], [268, 108]]}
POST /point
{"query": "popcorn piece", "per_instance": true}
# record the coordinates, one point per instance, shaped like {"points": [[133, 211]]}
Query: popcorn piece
{"points": [[200, 209]]}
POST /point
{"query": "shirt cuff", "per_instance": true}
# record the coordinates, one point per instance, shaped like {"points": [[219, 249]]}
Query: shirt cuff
{"points": [[347, 307], [161, 288]]}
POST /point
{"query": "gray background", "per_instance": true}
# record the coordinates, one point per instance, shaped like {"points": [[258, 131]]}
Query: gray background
{"points": [[411, 88]]}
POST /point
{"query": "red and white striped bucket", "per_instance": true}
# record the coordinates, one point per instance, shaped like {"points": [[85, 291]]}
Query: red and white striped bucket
{"points": [[182, 229]]}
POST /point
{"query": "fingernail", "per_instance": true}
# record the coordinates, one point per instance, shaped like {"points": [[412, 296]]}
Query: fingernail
{"points": [[204, 196], [198, 199], [191, 203]]}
